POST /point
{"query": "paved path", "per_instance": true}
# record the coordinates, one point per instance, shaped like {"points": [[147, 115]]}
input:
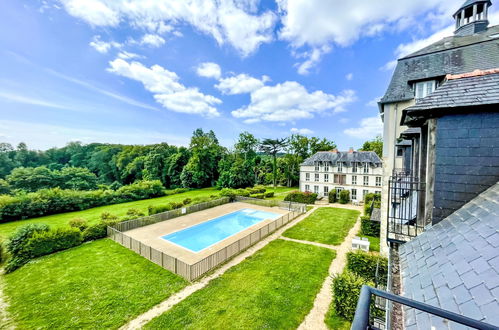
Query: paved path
{"points": [[327, 246], [164, 306]]}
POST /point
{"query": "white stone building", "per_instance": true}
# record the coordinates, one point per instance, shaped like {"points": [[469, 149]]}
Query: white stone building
{"points": [[360, 172]]}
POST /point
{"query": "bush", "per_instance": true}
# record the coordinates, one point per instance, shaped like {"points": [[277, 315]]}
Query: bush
{"points": [[95, 232], [301, 197], [46, 242], [176, 205], [186, 201], [364, 264], [269, 194], [242, 192], [132, 214], [159, 209], [109, 217], [78, 223], [368, 201], [344, 196], [18, 239], [368, 227], [259, 196], [260, 189], [332, 196], [346, 291], [2, 257], [227, 192], [15, 263]]}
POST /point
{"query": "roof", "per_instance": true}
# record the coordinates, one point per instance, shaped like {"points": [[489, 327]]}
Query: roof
{"points": [[343, 156], [455, 264], [468, 90], [404, 143], [455, 54], [410, 132], [470, 3]]}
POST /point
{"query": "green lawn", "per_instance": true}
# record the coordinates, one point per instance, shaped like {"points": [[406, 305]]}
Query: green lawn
{"points": [[280, 192], [273, 289], [96, 285], [326, 225], [93, 215], [336, 322], [374, 246]]}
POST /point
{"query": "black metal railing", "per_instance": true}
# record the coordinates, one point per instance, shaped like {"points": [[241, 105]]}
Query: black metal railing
{"points": [[362, 318], [406, 196]]}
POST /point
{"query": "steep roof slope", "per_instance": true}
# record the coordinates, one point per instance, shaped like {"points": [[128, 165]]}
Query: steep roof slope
{"points": [[455, 264], [346, 157]]}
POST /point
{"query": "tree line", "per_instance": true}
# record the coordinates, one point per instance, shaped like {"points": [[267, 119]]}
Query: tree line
{"points": [[204, 163]]}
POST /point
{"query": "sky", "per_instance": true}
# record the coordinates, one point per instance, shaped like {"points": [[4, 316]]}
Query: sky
{"points": [[150, 71]]}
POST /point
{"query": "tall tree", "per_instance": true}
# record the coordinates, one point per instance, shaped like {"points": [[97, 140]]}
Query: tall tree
{"points": [[375, 145], [272, 147]]}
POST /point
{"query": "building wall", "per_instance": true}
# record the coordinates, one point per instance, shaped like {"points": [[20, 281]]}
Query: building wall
{"points": [[391, 131], [466, 160], [347, 171]]}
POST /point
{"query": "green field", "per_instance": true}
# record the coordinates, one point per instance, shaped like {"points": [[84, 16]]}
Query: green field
{"points": [[336, 322], [326, 225], [95, 285], [273, 289]]}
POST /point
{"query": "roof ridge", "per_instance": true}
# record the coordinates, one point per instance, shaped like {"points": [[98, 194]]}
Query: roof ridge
{"points": [[474, 73]]}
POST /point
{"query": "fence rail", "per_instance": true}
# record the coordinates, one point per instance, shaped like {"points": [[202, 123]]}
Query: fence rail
{"points": [[194, 271]]}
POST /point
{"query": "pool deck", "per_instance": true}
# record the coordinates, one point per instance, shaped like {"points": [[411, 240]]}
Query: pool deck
{"points": [[151, 235]]}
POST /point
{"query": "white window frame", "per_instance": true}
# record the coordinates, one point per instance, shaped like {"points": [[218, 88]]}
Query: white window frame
{"points": [[338, 190], [364, 193], [326, 167], [354, 167], [316, 178], [307, 187], [307, 176], [317, 168], [354, 179], [366, 167], [326, 177], [354, 194], [424, 88], [316, 189], [340, 167], [326, 190], [366, 179], [378, 181]]}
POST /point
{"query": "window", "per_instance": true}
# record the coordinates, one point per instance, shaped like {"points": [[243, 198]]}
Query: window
{"points": [[317, 167], [400, 152], [424, 88], [378, 181], [366, 167], [317, 177], [326, 167], [326, 177], [340, 167], [354, 194], [307, 187], [366, 180], [326, 190], [364, 193], [338, 192], [354, 167], [316, 189], [307, 176], [354, 179]]}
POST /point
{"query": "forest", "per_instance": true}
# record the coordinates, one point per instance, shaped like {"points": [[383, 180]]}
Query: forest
{"points": [[205, 163]]}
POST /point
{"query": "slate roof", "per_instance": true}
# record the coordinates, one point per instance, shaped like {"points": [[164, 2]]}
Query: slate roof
{"points": [[469, 3], [457, 93], [404, 143], [346, 157], [451, 55], [455, 265], [410, 132]]}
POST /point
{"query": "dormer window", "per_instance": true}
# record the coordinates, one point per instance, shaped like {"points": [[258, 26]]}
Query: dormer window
{"points": [[424, 88]]}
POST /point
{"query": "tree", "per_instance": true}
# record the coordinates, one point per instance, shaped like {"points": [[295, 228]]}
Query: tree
{"points": [[33, 178], [317, 145], [272, 147], [375, 145], [77, 178]]}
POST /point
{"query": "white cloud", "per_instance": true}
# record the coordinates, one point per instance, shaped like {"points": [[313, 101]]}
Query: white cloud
{"points": [[166, 88], [344, 120], [33, 100], [301, 131], [209, 70], [129, 55], [103, 46], [152, 40], [368, 128], [240, 84], [230, 21], [290, 101], [374, 102], [349, 76]]}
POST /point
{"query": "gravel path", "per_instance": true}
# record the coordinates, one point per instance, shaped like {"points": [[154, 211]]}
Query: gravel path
{"points": [[164, 306], [5, 320]]}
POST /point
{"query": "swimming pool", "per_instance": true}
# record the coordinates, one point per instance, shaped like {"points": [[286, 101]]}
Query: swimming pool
{"points": [[203, 235]]}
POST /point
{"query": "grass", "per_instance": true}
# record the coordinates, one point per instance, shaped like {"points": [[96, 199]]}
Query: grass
{"points": [[309, 207], [280, 192], [93, 215], [273, 289], [96, 285], [326, 225], [336, 322], [374, 243]]}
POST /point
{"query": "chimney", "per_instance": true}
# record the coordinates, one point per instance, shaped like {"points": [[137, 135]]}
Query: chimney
{"points": [[350, 151], [335, 151]]}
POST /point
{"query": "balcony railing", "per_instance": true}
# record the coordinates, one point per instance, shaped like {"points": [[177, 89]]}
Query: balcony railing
{"points": [[406, 196], [363, 319]]}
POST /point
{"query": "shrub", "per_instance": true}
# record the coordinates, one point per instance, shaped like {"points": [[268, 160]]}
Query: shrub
{"points": [[159, 209], [301, 197], [368, 227], [78, 223], [242, 192], [46, 242], [176, 205], [18, 239], [260, 189], [364, 264], [227, 192], [2, 257], [369, 199], [106, 216], [346, 290], [269, 194], [344, 196], [186, 201], [259, 196], [95, 232], [15, 263], [132, 214], [332, 196]]}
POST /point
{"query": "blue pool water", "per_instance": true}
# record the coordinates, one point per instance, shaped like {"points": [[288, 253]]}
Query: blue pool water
{"points": [[203, 235]]}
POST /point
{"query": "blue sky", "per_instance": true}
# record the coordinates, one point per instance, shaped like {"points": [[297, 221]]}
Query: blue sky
{"points": [[139, 72]]}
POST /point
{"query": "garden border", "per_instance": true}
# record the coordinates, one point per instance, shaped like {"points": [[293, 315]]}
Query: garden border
{"points": [[196, 270]]}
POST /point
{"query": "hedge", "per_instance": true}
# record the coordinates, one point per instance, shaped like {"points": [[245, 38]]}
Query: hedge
{"points": [[47, 242], [368, 199], [95, 232], [344, 196], [368, 227], [332, 196], [364, 264], [346, 291], [259, 196], [301, 197], [56, 200]]}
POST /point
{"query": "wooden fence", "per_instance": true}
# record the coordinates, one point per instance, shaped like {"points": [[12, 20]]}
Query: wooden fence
{"points": [[194, 271]]}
